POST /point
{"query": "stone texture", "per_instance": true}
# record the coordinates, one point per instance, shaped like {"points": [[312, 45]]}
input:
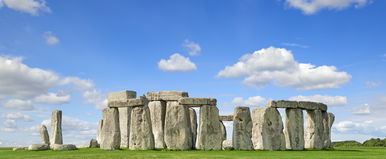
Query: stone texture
{"points": [[193, 125], [326, 130], [314, 130], [331, 119], [19, 148], [134, 102], [110, 135], [210, 135], [242, 129], [63, 147], [44, 135], [124, 125], [312, 106], [297, 104], [226, 117], [267, 130], [39, 147], [157, 114], [94, 144], [166, 95], [294, 129], [141, 135], [120, 99], [177, 133], [56, 127], [223, 131], [99, 131], [197, 102], [227, 145]]}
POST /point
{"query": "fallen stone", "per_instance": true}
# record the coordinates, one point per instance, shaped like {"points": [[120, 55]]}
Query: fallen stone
{"points": [[39, 147], [177, 133], [331, 119], [56, 127], [110, 135], [44, 135], [83, 146], [94, 144], [227, 145], [267, 130], [314, 131], [124, 125], [166, 95], [141, 135], [157, 114], [19, 148], [226, 117], [120, 99], [197, 102], [210, 135], [193, 125], [63, 147], [294, 129], [242, 129], [297, 104], [99, 131]]}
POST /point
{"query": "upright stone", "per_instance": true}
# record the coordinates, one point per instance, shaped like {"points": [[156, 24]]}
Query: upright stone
{"points": [[242, 129], [99, 131], [223, 131], [177, 134], [314, 131], [56, 127], [44, 135], [331, 119], [326, 130], [157, 114], [193, 125], [124, 125], [210, 135], [141, 135], [294, 129], [267, 129], [110, 135]]}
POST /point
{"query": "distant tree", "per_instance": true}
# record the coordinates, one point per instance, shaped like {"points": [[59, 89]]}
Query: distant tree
{"points": [[375, 142], [350, 143]]}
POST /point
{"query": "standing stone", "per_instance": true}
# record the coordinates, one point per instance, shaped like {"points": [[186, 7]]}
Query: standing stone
{"points": [[93, 144], [110, 135], [193, 125], [177, 134], [267, 130], [326, 130], [99, 131], [223, 130], [294, 129], [314, 131], [157, 114], [124, 125], [242, 129], [331, 119], [56, 127], [44, 135], [141, 135], [210, 135]]}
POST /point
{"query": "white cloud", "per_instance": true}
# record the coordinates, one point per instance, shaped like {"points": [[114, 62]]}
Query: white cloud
{"points": [[362, 110], [50, 38], [32, 7], [251, 101], [96, 98], [329, 100], [177, 62], [313, 6], [277, 66], [19, 104], [193, 48], [17, 116], [372, 84], [53, 98], [295, 45], [9, 126], [355, 127]]}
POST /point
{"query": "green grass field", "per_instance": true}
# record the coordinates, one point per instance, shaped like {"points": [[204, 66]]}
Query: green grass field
{"points": [[341, 153]]}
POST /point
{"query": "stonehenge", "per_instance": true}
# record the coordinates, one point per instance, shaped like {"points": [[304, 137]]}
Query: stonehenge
{"points": [[210, 136], [242, 129], [294, 129], [110, 134], [56, 127]]}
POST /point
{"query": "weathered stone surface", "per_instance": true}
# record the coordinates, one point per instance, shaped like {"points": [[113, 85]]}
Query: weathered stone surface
{"points": [[19, 148], [157, 114], [294, 129], [326, 130], [94, 144], [83, 146], [242, 129], [124, 125], [210, 135], [314, 131], [331, 119], [110, 135], [56, 127], [99, 131], [141, 135], [223, 130], [133, 102], [197, 102], [226, 117], [227, 145], [166, 95], [63, 147], [177, 133], [120, 99], [44, 135], [39, 147], [267, 130], [312, 106], [297, 104], [193, 125]]}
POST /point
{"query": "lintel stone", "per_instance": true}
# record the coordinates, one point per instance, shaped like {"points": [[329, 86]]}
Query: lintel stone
{"points": [[141, 101], [166, 95], [297, 104], [120, 99], [197, 102], [226, 117]]}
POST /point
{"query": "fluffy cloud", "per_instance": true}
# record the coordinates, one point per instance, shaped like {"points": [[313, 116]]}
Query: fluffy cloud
{"points": [[329, 100], [251, 101], [50, 38], [17, 116], [277, 66], [33, 7], [9, 125], [362, 110], [177, 62], [354, 127], [193, 48], [313, 6], [53, 98], [19, 104]]}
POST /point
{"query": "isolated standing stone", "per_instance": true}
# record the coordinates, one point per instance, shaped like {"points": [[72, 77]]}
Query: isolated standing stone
{"points": [[44, 135], [110, 135], [210, 135], [157, 114], [227, 145], [331, 119], [56, 127], [99, 131], [314, 131], [124, 125], [39, 147], [141, 135], [193, 125], [267, 130], [242, 129], [294, 129], [177, 133]]}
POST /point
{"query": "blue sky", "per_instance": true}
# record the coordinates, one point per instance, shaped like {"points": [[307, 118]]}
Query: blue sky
{"points": [[69, 54]]}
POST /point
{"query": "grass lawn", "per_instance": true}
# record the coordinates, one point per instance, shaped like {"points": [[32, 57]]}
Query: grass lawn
{"points": [[341, 153]]}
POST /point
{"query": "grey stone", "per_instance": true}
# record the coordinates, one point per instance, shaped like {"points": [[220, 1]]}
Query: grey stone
{"points": [[19, 148], [242, 129], [39, 147], [227, 145], [83, 146], [141, 135], [157, 114], [197, 102], [312, 106], [294, 129], [94, 144], [166, 95], [314, 131], [226, 117], [110, 135], [99, 131], [44, 135], [193, 125], [297, 104], [210, 135], [223, 131], [120, 99], [133, 102], [282, 104], [177, 133], [63, 147], [331, 119], [56, 127], [124, 125], [326, 130], [267, 130]]}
